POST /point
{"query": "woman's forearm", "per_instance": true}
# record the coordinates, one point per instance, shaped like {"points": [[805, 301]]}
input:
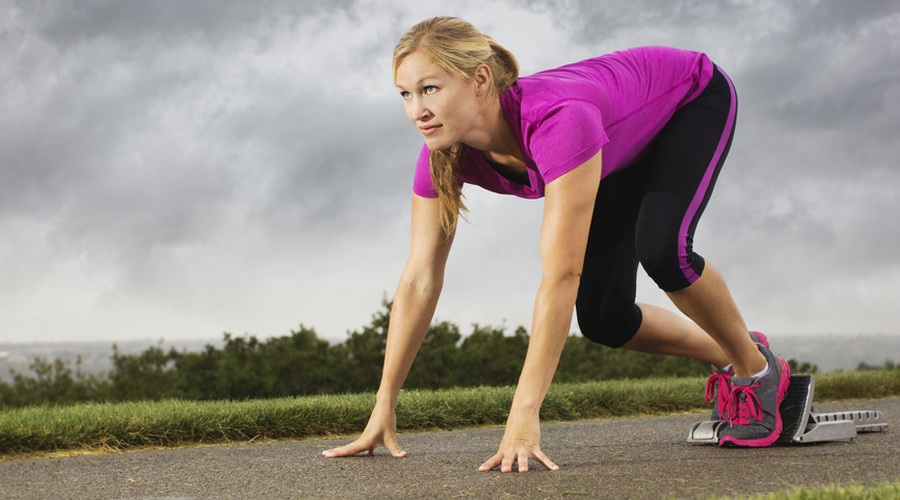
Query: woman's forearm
{"points": [[550, 328], [568, 210], [411, 314]]}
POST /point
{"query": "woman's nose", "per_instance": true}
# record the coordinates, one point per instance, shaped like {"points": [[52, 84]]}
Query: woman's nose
{"points": [[419, 111]]}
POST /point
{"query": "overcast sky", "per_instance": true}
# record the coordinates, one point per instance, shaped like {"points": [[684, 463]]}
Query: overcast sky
{"points": [[178, 169]]}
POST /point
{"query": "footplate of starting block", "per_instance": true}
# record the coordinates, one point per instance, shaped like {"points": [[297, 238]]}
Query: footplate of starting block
{"points": [[865, 421], [800, 422], [706, 432]]}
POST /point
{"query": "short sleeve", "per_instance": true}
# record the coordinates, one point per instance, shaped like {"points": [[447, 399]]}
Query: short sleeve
{"points": [[567, 135], [422, 184]]}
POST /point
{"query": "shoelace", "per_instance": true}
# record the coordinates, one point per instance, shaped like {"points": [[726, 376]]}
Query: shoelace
{"points": [[718, 385], [744, 406]]}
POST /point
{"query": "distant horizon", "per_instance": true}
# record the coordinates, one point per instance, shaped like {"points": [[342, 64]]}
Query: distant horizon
{"points": [[464, 333], [827, 352]]}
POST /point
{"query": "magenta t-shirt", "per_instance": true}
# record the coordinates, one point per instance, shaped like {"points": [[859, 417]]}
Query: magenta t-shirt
{"points": [[562, 117]]}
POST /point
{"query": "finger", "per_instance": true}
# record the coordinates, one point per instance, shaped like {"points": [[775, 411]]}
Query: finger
{"points": [[347, 450], [507, 463], [543, 460], [491, 463], [394, 448], [523, 462], [342, 451]]}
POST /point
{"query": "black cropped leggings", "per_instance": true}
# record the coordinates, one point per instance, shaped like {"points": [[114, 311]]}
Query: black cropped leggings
{"points": [[648, 212]]}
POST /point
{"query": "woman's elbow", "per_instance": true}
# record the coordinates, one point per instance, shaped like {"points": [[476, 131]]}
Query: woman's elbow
{"points": [[567, 278], [421, 283]]}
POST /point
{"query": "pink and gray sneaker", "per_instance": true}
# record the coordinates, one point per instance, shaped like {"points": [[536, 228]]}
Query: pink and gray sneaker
{"points": [[718, 386], [753, 414]]}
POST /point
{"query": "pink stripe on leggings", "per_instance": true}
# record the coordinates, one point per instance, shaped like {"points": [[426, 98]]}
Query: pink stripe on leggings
{"points": [[697, 201]]}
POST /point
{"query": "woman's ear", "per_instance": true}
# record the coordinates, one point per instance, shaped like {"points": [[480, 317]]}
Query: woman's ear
{"points": [[483, 79]]}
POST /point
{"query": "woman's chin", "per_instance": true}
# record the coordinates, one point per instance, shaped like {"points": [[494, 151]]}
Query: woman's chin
{"points": [[437, 143]]}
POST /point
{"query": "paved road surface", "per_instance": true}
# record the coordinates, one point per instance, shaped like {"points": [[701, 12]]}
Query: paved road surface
{"points": [[628, 458]]}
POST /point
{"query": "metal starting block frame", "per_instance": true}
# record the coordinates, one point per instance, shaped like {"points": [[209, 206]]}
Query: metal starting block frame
{"points": [[800, 422]]}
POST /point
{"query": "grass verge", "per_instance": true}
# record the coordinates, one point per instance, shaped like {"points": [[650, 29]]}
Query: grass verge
{"points": [[885, 491], [122, 426]]}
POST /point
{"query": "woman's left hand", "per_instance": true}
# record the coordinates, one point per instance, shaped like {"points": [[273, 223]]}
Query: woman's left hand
{"points": [[521, 441]]}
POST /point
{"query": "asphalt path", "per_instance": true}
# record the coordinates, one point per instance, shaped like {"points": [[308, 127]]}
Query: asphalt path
{"points": [[646, 457]]}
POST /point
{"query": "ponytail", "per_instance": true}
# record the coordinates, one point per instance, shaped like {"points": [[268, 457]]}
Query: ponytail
{"points": [[445, 177], [503, 64]]}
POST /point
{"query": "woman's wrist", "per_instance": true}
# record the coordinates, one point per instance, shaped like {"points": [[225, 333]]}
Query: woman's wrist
{"points": [[386, 398], [525, 405]]}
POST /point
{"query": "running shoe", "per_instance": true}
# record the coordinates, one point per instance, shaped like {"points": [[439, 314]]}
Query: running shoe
{"points": [[718, 386], [753, 414]]}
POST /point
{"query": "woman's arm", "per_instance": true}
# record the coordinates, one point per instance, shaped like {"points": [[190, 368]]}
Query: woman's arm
{"points": [[568, 208], [413, 309], [416, 297]]}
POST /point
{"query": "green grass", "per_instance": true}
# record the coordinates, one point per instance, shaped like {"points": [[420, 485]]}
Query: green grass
{"points": [[123, 426], [881, 491]]}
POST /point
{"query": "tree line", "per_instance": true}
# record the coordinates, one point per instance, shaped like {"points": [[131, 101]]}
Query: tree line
{"points": [[301, 364]]}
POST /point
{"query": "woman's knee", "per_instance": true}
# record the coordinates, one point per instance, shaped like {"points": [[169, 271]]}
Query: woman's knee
{"points": [[674, 273], [611, 328], [664, 247]]}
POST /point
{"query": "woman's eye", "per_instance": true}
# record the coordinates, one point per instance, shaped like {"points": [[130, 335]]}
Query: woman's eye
{"points": [[427, 90]]}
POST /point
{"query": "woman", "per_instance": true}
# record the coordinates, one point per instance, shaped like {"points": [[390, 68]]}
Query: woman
{"points": [[655, 124]]}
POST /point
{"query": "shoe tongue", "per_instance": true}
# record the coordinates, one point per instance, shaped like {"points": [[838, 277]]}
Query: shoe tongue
{"points": [[742, 381]]}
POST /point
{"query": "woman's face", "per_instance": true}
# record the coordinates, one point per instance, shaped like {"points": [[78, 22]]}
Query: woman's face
{"points": [[442, 106]]}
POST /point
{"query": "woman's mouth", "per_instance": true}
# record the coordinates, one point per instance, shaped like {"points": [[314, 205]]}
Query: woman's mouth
{"points": [[429, 130]]}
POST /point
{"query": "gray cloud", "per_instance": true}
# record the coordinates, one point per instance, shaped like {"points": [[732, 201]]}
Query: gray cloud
{"points": [[69, 23], [194, 167]]}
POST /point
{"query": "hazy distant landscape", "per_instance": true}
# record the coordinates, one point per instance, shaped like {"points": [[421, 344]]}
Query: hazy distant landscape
{"points": [[839, 352], [96, 357], [828, 352]]}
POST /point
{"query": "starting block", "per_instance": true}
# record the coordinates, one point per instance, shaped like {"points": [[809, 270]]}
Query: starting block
{"points": [[800, 422]]}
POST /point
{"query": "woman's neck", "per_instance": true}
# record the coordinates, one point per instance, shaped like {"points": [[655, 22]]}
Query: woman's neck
{"points": [[493, 136]]}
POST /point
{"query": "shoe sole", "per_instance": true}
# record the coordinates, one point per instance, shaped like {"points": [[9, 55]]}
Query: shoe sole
{"points": [[783, 383]]}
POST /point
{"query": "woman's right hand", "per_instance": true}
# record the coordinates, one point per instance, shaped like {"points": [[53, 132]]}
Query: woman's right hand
{"points": [[380, 431]]}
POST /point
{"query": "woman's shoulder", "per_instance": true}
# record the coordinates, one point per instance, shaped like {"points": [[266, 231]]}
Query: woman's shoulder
{"points": [[541, 94], [647, 54]]}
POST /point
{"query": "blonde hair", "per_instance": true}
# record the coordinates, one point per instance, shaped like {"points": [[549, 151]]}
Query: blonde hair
{"points": [[458, 48]]}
